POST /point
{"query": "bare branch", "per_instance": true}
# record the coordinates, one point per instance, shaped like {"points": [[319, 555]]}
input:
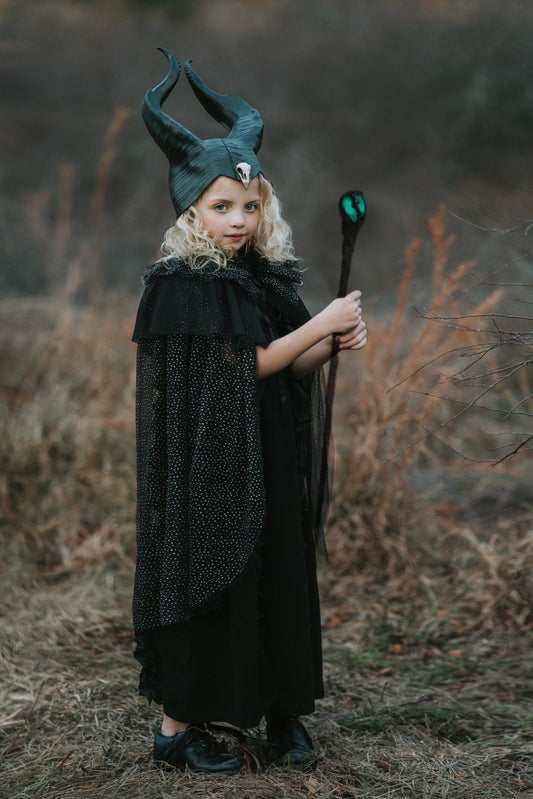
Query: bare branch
{"points": [[453, 400], [442, 318], [518, 404], [500, 231], [514, 451]]}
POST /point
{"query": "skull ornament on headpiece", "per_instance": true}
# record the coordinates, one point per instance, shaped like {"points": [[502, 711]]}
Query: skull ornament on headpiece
{"points": [[196, 163]]}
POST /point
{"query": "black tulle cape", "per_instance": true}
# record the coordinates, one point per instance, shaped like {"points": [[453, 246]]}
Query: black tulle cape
{"points": [[201, 498]]}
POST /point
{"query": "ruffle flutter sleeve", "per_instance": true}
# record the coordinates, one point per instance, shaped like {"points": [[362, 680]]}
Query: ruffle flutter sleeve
{"points": [[199, 466], [200, 302]]}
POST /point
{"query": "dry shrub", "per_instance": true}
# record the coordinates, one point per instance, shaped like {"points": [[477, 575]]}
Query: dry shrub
{"points": [[66, 425], [68, 452], [66, 434], [492, 574], [374, 429], [387, 415]]}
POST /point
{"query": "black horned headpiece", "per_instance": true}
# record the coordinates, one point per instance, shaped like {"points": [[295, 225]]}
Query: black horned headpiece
{"points": [[195, 163]]}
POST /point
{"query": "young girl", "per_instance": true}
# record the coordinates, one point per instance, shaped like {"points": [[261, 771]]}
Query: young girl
{"points": [[225, 604]]}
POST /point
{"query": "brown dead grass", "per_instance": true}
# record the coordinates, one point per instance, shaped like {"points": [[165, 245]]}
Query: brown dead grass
{"points": [[392, 415], [411, 709], [67, 430], [427, 606], [67, 452]]}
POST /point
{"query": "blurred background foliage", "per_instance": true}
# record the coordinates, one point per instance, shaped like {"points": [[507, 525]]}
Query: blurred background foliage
{"points": [[416, 102], [172, 10]]}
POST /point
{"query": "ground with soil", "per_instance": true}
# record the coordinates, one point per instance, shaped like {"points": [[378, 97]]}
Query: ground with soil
{"points": [[412, 708]]}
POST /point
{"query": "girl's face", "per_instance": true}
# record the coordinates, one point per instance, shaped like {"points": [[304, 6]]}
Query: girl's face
{"points": [[229, 212]]}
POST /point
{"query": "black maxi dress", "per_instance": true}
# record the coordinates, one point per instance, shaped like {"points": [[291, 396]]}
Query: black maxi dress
{"points": [[226, 609]]}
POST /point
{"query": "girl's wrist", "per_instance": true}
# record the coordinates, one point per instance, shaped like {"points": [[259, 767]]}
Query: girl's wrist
{"points": [[323, 329]]}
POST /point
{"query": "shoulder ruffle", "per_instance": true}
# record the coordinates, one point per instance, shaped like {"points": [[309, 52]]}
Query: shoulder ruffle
{"points": [[251, 273], [212, 300], [179, 300], [205, 273]]}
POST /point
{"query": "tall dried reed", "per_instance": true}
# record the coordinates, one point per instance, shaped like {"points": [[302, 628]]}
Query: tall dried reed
{"points": [[66, 430], [390, 414], [66, 406]]}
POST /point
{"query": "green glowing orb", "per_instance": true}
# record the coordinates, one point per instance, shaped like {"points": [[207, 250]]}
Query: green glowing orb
{"points": [[354, 206]]}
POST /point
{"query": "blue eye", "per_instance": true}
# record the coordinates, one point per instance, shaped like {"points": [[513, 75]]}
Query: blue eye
{"points": [[221, 207], [251, 207]]}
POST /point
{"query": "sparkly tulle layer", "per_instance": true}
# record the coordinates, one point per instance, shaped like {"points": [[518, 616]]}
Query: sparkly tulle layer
{"points": [[201, 487]]}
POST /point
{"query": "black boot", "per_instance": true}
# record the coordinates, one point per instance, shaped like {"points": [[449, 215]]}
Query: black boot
{"points": [[197, 749], [290, 742]]}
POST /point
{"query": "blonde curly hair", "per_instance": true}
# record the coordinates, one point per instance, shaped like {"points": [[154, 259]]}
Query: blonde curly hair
{"points": [[188, 239]]}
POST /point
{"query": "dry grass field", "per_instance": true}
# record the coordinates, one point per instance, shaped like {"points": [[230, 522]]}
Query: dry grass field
{"points": [[427, 598], [415, 706], [428, 593]]}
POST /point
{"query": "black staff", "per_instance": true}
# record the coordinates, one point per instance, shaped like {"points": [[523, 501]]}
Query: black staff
{"points": [[352, 208]]}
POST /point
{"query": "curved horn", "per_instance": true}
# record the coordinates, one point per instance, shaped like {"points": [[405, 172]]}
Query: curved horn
{"points": [[240, 119], [174, 139]]}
